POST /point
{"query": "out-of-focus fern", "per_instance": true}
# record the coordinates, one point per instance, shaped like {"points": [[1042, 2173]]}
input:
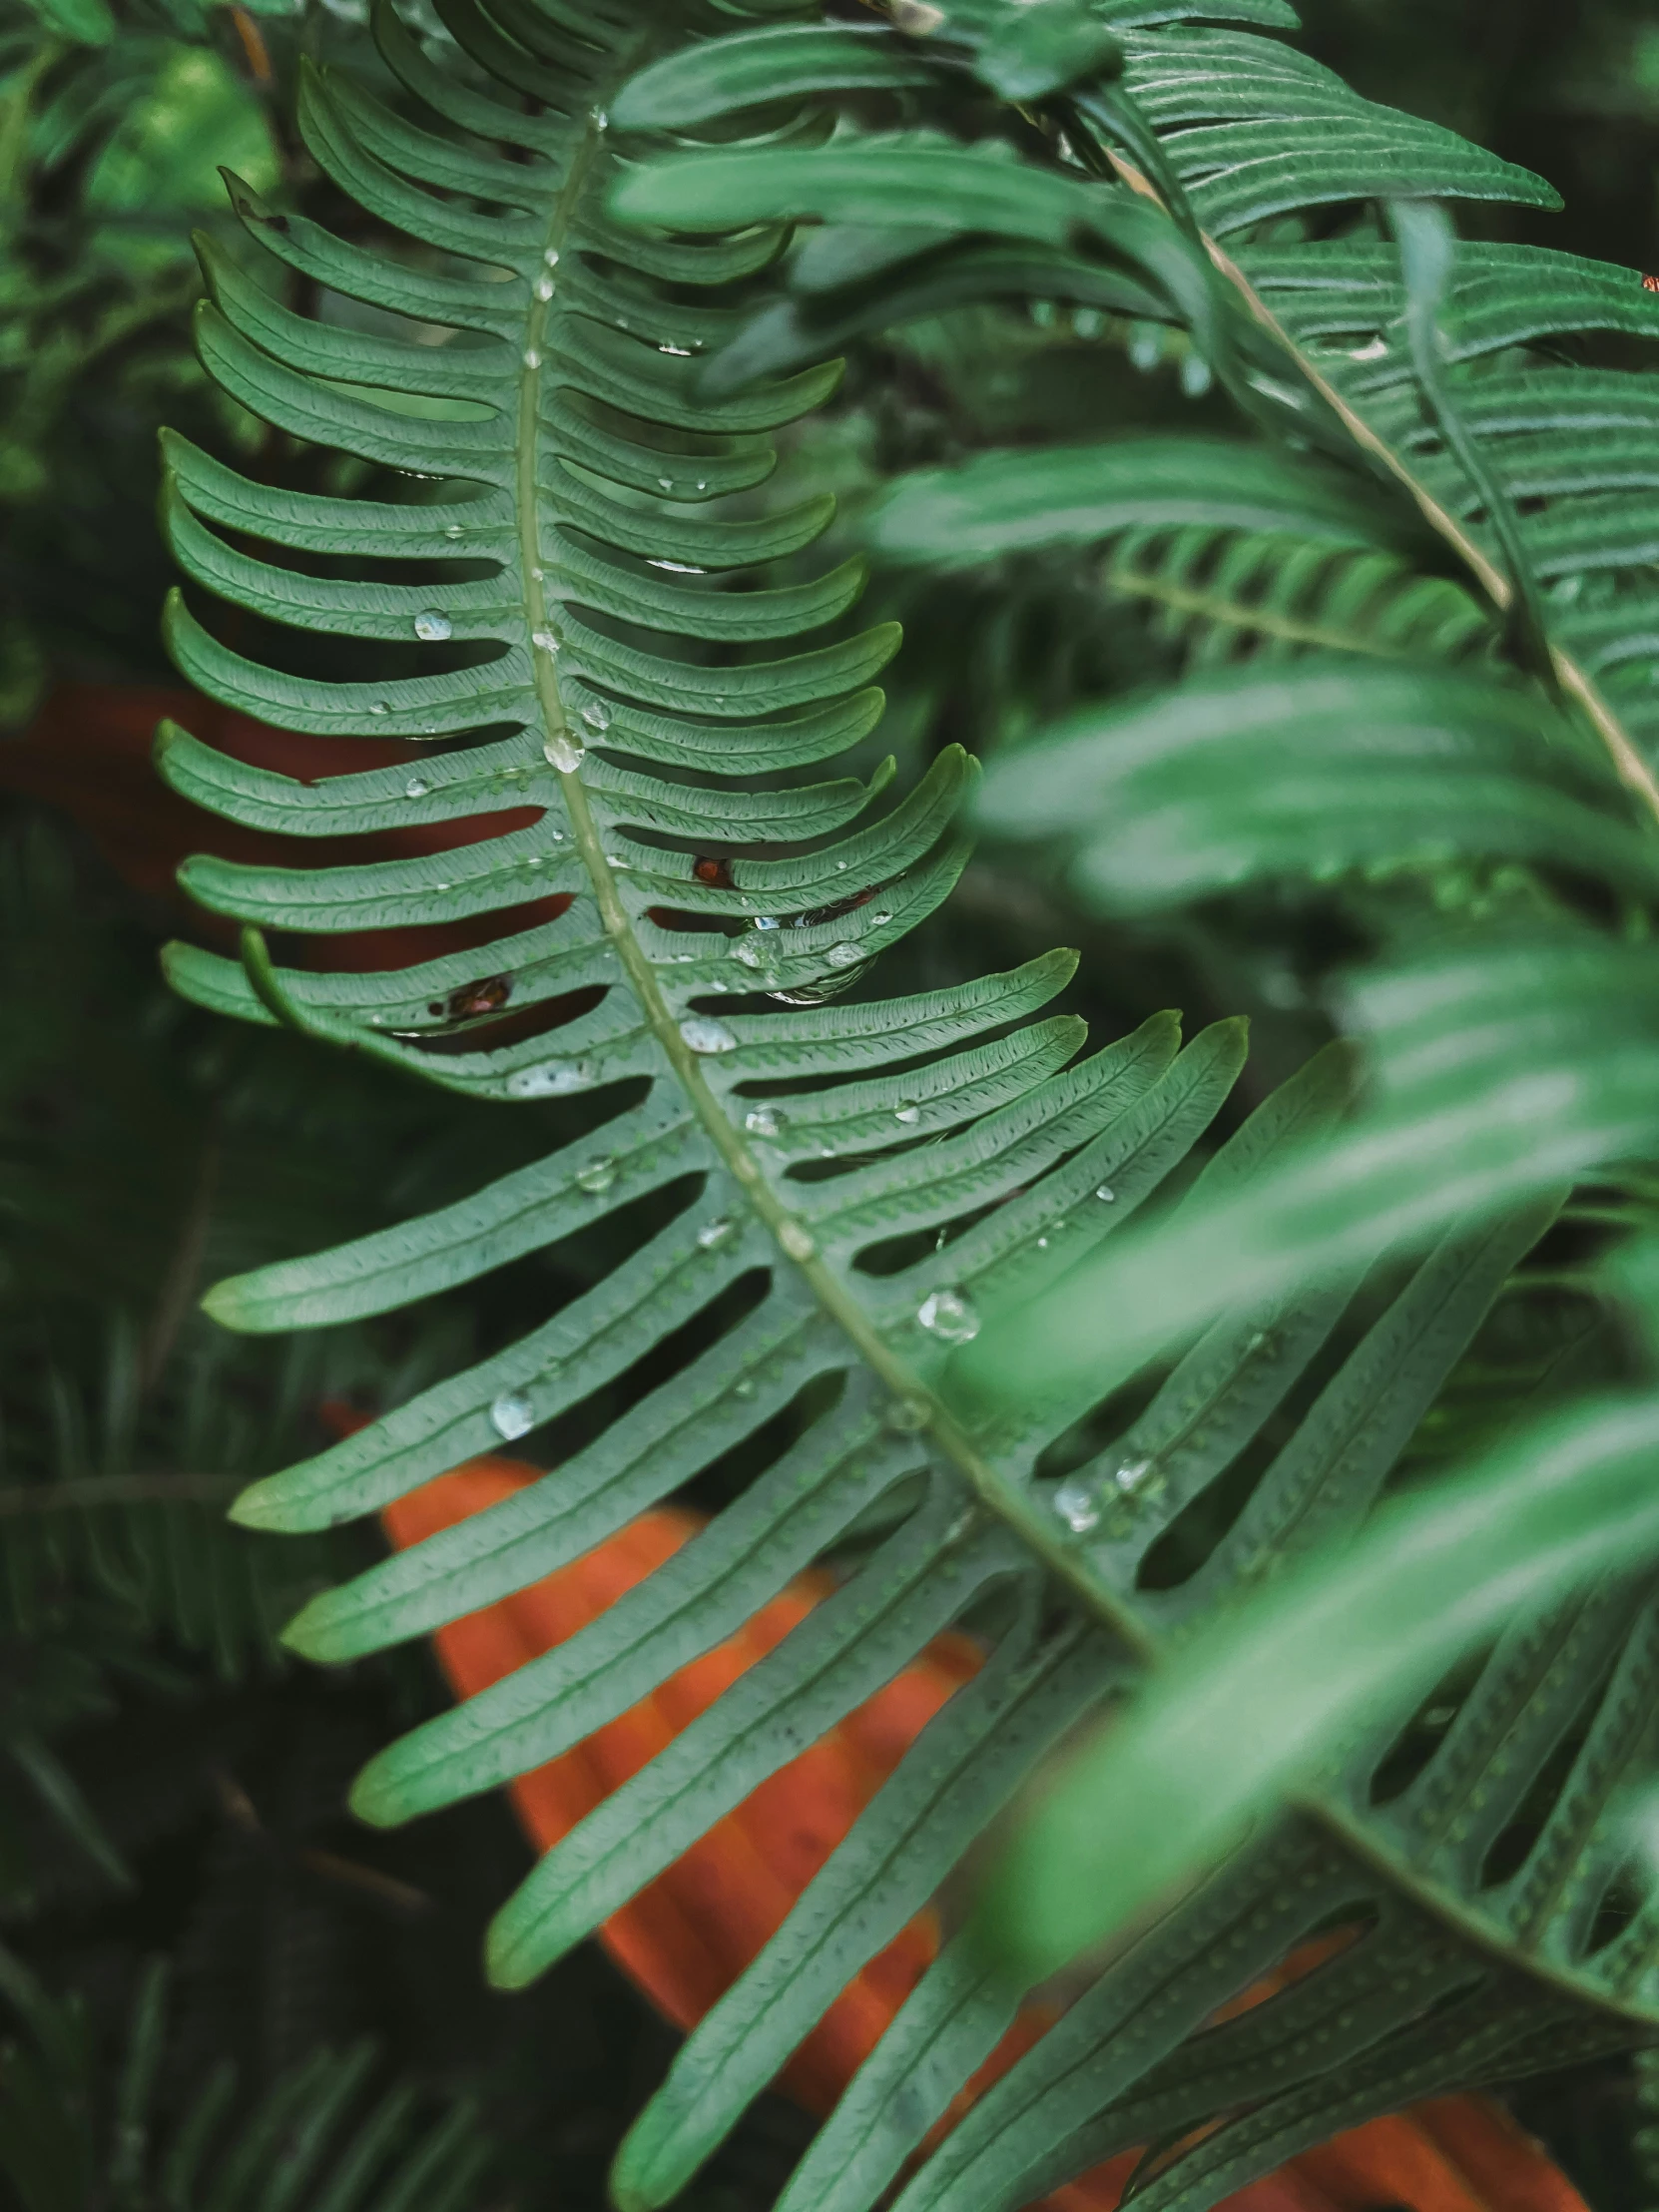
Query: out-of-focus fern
{"points": [[77, 2135]]}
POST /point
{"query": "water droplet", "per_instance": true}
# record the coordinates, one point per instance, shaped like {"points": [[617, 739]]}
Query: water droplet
{"points": [[1076, 1507], [379, 707], [552, 1079], [665, 483], [597, 1177], [551, 256], [1372, 350], [679, 568], [841, 868], [764, 1121], [907, 1416], [764, 922], [453, 530], [432, 626], [908, 1112], [1274, 387], [879, 921], [1129, 1474], [714, 1233], [704, 1034], [1195, 376], [843, 955], [616, 861], [532, 358], [746, 1388], [950, 1314], [564, 753], [1042, 1244], [544, 288], [538, 573], [512, 1415], [1105, 1192], [597, 715], [684, 351], [544, 641], [797, 1240], [703, 483], [416, 788], [600, 120]]}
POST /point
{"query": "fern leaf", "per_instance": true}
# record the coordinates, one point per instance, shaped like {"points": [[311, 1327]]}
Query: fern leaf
{"points": [[826, 1202]]}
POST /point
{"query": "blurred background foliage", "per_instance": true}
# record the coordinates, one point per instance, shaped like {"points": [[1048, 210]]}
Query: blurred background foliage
{"points": [[171, 1789]]}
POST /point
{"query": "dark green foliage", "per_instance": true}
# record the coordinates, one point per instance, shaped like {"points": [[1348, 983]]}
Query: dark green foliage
{"points": [[1006, 1335]]}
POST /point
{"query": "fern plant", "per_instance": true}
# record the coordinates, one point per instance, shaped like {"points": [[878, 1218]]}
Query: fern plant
{"points": [[74, 2133], [832, 1231]]}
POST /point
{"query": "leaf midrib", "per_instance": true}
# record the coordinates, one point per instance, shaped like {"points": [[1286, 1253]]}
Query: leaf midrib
{"points": [[791, 1236]]}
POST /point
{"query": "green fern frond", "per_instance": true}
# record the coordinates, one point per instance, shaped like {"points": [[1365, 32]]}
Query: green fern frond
{"points": [[810, 1210]]}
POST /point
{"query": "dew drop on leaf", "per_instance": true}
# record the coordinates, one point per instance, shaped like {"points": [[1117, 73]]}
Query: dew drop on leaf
{"points": [[951, 1315], [432, 626], [512, 1415], [764, 1121], [379, 707], [544, 641], [797, 1240], [416, 788], [704, 1034], [714, 1233], [908, 1112], [1129, 1474], [532, 358], [907, 1416], [597, 715], [1076, 1507], [1105, 1192], [843, 955], [879, 921], [747, 953], [597, 1176], [544, 288], [551, 256], [746, 1388], [453, 530], [564, 753]]}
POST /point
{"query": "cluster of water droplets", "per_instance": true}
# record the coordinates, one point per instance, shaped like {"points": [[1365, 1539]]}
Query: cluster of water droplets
{"points": [[1083, 1506]]}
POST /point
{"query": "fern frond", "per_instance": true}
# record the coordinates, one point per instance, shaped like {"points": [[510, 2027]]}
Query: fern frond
{"points": [[1242, 138], [791, 1221], [72, 2135]]}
